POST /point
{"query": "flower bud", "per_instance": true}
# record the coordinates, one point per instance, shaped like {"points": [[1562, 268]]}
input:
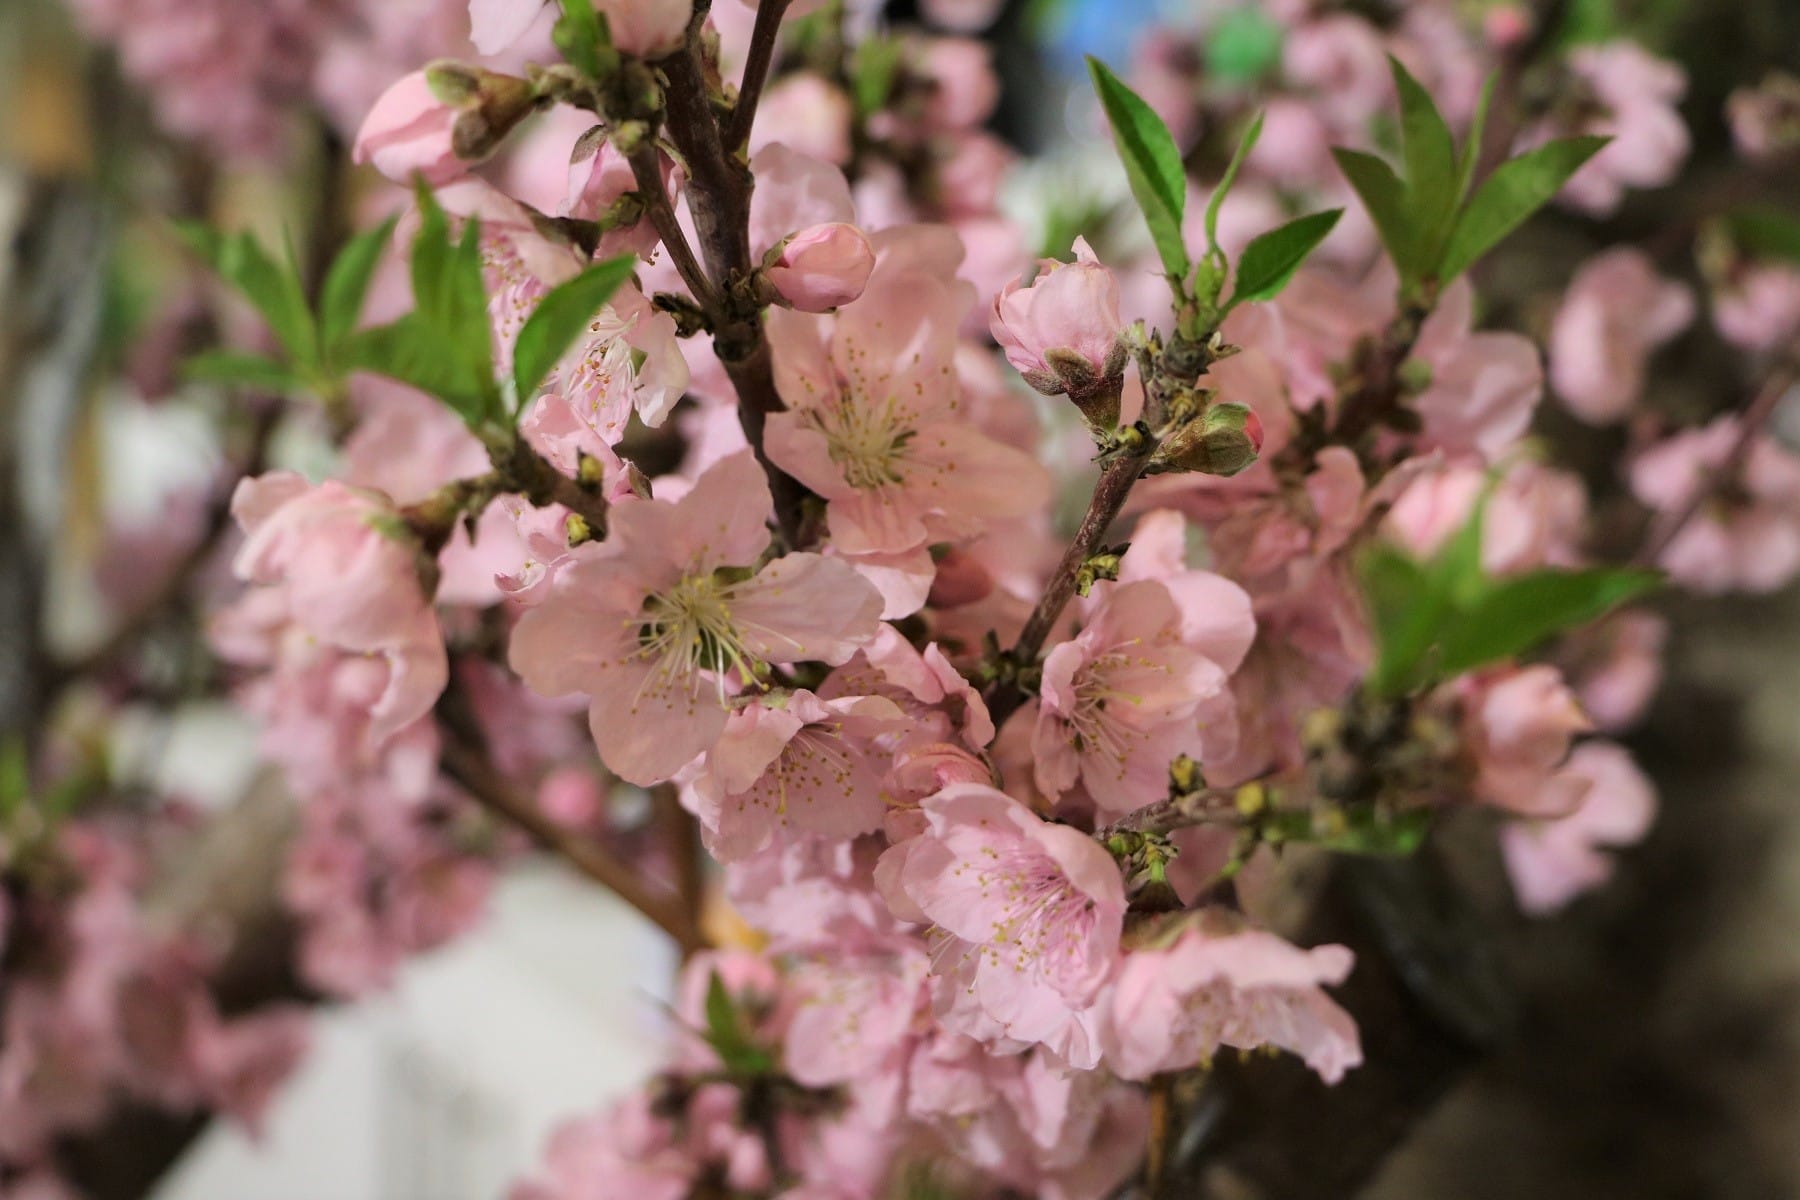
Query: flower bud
{"points": [[820, 268], [408, 133], [437, 121], [1223, 440], [1063, 334]]}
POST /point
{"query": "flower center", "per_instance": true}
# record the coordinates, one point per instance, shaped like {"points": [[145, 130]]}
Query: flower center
{"points": [[867, 440], [1100, 722], [688, 629]]}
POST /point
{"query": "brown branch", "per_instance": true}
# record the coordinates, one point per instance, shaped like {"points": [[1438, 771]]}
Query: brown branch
{"points": [[1753, 420], [479, 777], [648, 172], [1109, 498], [756, 72], [1207, 806]]}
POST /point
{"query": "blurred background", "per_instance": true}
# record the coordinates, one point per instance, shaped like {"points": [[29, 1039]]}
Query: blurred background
{"points": [[1655, 1048]]}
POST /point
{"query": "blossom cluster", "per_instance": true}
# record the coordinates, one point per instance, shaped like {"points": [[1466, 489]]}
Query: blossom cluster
{"points": [[1001, 627]]}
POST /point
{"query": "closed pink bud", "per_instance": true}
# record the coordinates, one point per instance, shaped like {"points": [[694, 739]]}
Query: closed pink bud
{"points": [[410, 132], [1062, 332], [822, 267], [647, 28]]}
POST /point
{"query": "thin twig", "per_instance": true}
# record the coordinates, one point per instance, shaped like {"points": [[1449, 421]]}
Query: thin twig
{"points": [[756, 72], [648, 172], [1751, 424], [1109, 498], [479, 777]]}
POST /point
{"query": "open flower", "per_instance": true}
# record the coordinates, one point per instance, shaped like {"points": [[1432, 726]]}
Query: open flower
{"points": [[873, 422], [1124, 698], [1174, 1006], [350, 575], [792, 763], [1617, 311], [667, 619], [1552, 862], [1029, 915]]}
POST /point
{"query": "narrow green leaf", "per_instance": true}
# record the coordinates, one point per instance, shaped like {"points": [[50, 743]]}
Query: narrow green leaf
{"points": [[272, 289], [1246, 143], [1471, 151], [1430, 155], [347, 283], [726, 1034], [1405, 611], [1384, 196], [416, 354], [560, 318], [580, 37], [1505, 199], [1152, 165], [1514, 615], [232, 369], [1271, 258]]}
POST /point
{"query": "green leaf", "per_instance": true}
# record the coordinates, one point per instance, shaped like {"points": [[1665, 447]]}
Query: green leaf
{"points": [[1766, 233], [1243, 46], [726, 1034], [273, 290], [231, 369], [1431, 166], [1384, 196], [1406, 611], [1246, 143], [1516, 189], [874, 66], [560, 318], [1271, 258], [416, 354], [1515, 615], [580, 37], [1471, 151], [347, 283], [1152, 165]]}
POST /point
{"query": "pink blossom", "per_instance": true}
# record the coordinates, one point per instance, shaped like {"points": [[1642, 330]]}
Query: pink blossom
{"points": [[1617, 311], [1028, 1121], [494, 25], [647, 28], [822, 267], [1765, 119], [1173, 1006], [807, 113], [659, 626], [792, 764], [628, 1150], [857, 1016], [1618, 666], [1028, 915], [1638, 93], [1062, 332], [1124, 698], [1759, 309], [350, 574], [1551, 862], [628, 361], [1534, 516], [1518, 723], [408, 133], [1484, 386], [873, 422], [959, 75], [1746, 533]]}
